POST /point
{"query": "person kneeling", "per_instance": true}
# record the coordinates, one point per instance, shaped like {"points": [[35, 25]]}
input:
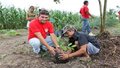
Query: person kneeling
{"points": [[85, 43]]}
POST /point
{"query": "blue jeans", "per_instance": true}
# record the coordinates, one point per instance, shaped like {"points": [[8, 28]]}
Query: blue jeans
{"points": [[92, 49], [36, 44], [85, 26]]}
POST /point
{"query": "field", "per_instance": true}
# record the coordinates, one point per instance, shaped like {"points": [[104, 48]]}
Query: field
{"points": [[15, 52]]}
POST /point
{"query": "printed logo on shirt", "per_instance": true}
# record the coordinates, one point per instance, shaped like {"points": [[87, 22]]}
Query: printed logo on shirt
{"points": [[46, 30]]}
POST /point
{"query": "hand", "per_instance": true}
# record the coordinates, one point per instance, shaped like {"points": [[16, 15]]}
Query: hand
{"points": [[51, 50], [64, 56], [57, 49]]}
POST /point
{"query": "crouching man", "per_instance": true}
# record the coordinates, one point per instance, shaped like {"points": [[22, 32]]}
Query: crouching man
{"points": [[86, 44], [41, 34]]}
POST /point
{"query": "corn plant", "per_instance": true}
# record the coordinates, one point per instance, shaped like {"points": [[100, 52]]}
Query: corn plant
{"points": [[63, 18], [12, 18]]}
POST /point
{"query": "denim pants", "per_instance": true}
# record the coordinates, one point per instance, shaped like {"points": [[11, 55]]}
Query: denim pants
{"points": [[92, 49], [85, 26], [37, 45]]}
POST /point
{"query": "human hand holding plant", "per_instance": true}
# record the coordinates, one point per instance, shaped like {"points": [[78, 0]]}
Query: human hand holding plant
{"points": [[51, 50], [64, 56]]}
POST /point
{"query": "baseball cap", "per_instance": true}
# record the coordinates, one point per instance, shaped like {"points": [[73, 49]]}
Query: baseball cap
{"points": [[67, 28]]}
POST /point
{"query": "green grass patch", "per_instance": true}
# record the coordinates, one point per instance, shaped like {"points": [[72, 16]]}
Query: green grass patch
{"points": [[12, 33]]}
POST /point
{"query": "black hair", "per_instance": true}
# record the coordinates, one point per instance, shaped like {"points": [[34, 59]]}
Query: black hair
{"points": [[39, 10], [31, 7], [85, 2], [45, 12]]}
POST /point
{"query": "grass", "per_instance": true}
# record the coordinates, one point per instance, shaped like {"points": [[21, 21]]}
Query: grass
{"points": [[7, 32], [115, 30]]}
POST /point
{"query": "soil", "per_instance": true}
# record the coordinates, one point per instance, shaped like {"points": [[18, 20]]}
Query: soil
{"points": [[15, 52]]}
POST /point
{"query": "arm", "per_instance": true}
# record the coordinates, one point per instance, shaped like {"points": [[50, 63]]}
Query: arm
{"points": [[81, 51], [89, 13], [42, 40], [54, 39], [53, 36]]}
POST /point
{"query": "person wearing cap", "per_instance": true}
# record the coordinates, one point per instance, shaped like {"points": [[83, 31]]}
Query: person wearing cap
{"points": [[86, 45], [84, 11], [41, 34]]}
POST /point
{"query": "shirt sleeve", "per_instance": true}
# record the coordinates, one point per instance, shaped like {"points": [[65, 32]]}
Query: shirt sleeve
{"points": [[82, 40], [51, 28]]}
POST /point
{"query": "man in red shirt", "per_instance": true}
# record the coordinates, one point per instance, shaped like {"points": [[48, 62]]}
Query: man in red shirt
{"points": [[84, 11], [119, 16], [41, 33]]}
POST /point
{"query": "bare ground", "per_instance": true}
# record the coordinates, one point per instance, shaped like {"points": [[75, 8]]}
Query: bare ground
{"points": [[15, 52]]}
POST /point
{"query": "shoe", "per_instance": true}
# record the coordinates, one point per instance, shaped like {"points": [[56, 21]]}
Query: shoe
{"points": [[91, 34]]}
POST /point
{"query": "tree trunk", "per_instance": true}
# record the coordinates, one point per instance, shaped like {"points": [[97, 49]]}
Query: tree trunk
{"points": [[101, 16], [104, 14]]}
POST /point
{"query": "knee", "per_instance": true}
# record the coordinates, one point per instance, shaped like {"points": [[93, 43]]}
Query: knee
{"points": [[34, 42]]}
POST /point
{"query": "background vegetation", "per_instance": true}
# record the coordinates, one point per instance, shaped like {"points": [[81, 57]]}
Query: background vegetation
{"points": [[15, 18]]}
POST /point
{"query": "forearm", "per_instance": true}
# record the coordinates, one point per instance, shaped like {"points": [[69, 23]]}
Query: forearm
{"points": [[77, 53], [54, 39], [89, 14], [42, 40]]}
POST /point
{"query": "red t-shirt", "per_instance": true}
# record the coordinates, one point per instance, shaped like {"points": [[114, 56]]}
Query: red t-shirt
{"points": [[44, 29], [83, 11], [119, 12]]}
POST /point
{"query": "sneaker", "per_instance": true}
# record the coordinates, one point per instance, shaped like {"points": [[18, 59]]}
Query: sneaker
{"points": [[91, 34]]}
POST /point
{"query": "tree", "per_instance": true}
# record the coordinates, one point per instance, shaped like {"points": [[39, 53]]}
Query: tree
{"points": [[57, 1], [102, 15]]}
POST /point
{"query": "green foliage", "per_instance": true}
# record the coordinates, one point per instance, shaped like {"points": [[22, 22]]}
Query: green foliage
{"points": [[15, 18], [111, 18], [64, 45], [63, 18], [12, 18]]}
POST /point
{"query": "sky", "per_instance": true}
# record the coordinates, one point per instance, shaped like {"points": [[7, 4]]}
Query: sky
{"points": [[65, 5]]}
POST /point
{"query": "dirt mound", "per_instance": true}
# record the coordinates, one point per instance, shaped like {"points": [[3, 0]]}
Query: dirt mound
{"points": [[110, 52], [104, 35]]}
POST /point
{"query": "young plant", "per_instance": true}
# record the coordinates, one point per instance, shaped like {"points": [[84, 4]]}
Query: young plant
{"points": [[64, 45]]}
